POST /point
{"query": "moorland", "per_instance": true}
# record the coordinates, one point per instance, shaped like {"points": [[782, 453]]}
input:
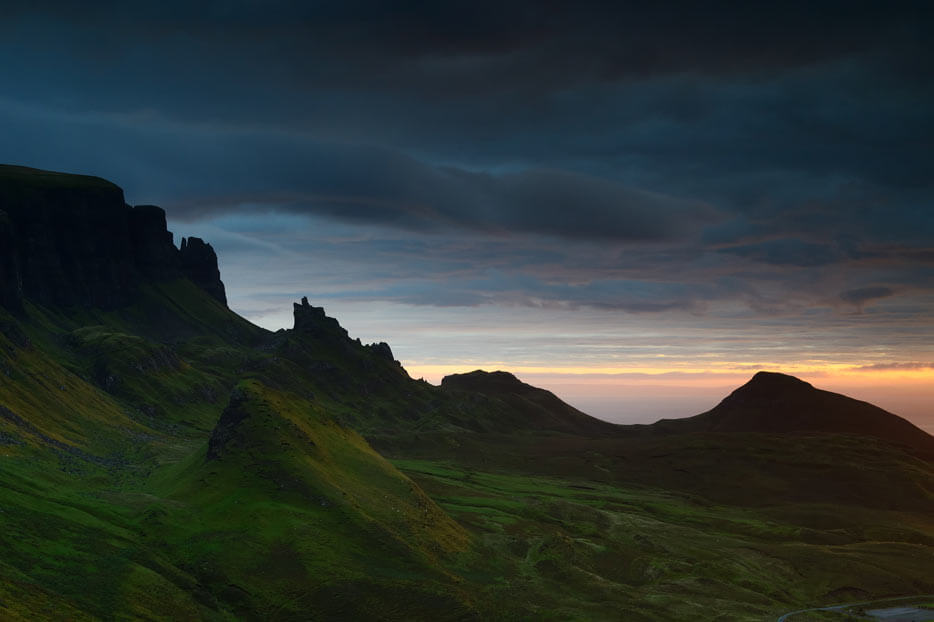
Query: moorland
{"points": [[163, 458]]}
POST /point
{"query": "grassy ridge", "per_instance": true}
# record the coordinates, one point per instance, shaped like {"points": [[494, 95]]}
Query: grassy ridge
{"points": [[112, 504], [325, 515]]}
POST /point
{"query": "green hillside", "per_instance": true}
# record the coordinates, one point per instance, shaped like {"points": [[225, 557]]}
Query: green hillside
{"points": [[161, 458]]}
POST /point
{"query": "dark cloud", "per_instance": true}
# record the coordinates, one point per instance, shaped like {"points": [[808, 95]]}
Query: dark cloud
{"points": [[378, 40], [391, 189], [750, 107], [863, 295], [201, 172], [788, 251], [745, 161]]}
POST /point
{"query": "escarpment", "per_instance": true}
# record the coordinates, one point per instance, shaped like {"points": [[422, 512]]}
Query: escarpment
{"points": [[71, 240]]}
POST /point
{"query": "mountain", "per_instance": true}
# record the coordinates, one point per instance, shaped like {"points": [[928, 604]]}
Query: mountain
{"points": [[772, 403], [163, 458], [524, 406]]}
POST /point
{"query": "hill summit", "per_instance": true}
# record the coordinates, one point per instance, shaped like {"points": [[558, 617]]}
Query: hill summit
{"points": [[775, 403], [527, 407]]}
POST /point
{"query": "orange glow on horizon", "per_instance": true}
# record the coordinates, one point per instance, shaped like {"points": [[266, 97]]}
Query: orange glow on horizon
{"points": [[681, 373], [645, 394]]}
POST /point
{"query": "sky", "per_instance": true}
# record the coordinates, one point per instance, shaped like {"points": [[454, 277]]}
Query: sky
{"points": [[635, 205]]}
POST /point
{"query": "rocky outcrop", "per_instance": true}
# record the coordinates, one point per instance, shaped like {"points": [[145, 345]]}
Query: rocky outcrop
{"points": [[382, 350], [199, 263], [312, 320], [227, 428], [71, 240]]}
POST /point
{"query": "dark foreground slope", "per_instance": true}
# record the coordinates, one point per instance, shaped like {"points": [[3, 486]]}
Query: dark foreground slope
{"points": [[163, 458]]}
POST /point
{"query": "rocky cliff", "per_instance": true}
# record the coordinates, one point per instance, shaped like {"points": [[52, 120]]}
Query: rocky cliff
{"points": [[71, 240], [199, 263]]}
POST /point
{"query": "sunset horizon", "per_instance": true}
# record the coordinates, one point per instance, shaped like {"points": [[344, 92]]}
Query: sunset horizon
{"points": [[467, 311]]}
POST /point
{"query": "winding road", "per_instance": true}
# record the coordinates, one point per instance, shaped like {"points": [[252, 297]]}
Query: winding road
{"points": [[882, 601]]}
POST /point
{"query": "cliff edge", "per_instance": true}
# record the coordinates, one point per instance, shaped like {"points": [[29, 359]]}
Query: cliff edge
{"points": [[71, 240]]}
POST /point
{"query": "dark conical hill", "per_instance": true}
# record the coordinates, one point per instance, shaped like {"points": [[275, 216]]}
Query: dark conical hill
{"points": [[776, 403]]}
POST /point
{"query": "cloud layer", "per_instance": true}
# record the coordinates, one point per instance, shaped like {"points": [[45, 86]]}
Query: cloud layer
{"points": [[724, 163]]}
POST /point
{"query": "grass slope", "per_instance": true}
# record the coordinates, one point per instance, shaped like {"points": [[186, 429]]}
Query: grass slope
{"points": [[331, 527], [112, 506]]}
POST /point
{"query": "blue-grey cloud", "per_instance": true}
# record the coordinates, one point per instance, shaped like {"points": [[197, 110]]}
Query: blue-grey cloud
{"points": [[734, 164], [786, 251], [862, 295], [206, 171]]}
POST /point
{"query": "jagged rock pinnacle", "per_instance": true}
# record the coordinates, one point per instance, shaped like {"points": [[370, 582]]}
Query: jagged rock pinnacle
{"points": [[312, 320]]}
